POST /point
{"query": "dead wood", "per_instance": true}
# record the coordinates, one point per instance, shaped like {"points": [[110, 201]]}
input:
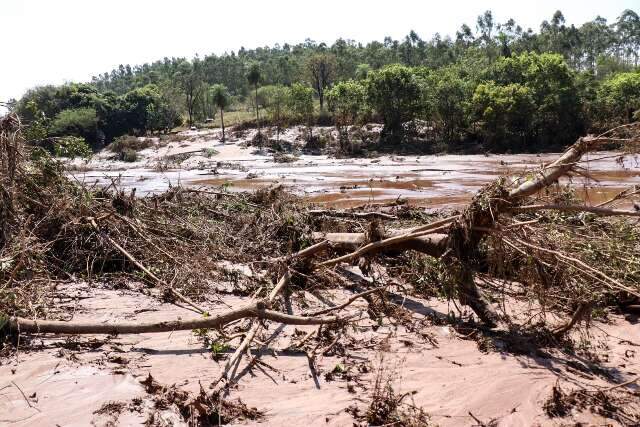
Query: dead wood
{"points": [[255, 310], [348, 214], [246, 342], [580, 313], [575, 208], [137, 263]]}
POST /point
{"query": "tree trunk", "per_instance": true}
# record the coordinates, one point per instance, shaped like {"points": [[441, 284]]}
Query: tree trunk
{"points": [[222, 122], [258, 115]]}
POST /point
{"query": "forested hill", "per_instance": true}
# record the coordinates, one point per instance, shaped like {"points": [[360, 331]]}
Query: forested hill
{"points": [[495, 83], [596, 45]]}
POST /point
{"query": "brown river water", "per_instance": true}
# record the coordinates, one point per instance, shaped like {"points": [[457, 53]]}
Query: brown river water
{"points": [[429, 181]]}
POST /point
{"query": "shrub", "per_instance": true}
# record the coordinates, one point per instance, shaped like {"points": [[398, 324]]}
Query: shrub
{"points": [[71, 147], [75, 121], [128, 142], [129, 156]]}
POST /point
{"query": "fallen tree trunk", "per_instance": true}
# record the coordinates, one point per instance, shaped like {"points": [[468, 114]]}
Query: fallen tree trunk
{"points": [[576, 208], [19, 324], [432, 244], [347, 214]]}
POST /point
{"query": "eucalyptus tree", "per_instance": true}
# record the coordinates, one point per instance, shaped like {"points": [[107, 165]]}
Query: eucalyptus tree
{"points": [[321, 71]]}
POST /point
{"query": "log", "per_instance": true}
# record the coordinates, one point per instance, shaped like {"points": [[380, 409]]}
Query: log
{"points": [[20, 325], [347, 214], [380, 245], [555, 170], [433, 244], [576, 208]]}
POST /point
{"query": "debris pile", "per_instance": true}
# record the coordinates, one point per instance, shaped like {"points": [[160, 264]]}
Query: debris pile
{"points": [[522, 241]]}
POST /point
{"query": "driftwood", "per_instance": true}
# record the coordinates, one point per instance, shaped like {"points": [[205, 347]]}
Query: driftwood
{"points": [[456, 239], [576, 208], [347, 214], [255, 310]]}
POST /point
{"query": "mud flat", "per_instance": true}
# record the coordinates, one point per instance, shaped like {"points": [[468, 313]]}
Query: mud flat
{"points": [[71, 381], [430, 181]]}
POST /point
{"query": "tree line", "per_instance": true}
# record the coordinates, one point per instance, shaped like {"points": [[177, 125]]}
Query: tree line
{"points": [[499, 84]]}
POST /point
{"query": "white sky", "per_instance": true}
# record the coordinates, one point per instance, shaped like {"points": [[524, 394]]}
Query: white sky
{"points": [[53, 41]]}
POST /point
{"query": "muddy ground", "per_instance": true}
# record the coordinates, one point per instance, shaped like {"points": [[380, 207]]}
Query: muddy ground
{"points": [[459, 376], [454, 378]]}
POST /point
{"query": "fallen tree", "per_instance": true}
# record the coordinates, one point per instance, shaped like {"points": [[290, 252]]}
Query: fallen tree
{"points": [[36, 192], [257, 310]]}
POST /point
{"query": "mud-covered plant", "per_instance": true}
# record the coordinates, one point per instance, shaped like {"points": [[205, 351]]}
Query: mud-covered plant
{"points": [[389, 408]]}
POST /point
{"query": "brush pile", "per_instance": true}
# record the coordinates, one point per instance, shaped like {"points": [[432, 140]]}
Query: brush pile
{"points": [[522, 243]]}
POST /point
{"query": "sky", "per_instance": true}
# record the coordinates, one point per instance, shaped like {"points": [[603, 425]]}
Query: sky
{"points": [[55, 41]]}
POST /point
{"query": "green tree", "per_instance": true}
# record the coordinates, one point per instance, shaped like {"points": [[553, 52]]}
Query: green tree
{"points": [[165, 114], [395, 92], [300, 104], [37, 128], [190, 81], [362, 71], [628, 33], [558, 116], [221, 99], [141, 105], [448, 95], [254, 77], [504, 112], [346, 102], [79, 122], [275, 101], [619, 98]]}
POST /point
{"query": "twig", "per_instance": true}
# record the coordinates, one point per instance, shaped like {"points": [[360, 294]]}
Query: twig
{"points": [[348, 302], [144, 269], [25, 396], [244, 345]]}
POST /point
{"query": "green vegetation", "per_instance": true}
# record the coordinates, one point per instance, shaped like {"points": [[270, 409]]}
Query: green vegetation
{"points": [[500, 87], [220, 98], [395, 92], [300, 104], [71, 147], [347, 101]]}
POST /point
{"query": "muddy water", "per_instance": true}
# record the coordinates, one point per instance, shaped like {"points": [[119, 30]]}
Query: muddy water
{"points": [[430, 181]]}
